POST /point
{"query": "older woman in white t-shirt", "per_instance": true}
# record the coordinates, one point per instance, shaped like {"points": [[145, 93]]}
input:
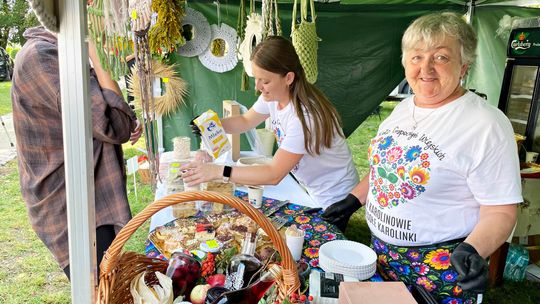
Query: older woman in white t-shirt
{"points": [[306, 125], [444, 182]]}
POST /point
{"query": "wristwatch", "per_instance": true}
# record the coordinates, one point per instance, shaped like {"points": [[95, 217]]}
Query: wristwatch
{"points": [[227, 170]]}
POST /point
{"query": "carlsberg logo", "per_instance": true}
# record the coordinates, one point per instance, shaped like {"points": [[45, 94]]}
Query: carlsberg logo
{"points": [[520, 45]]}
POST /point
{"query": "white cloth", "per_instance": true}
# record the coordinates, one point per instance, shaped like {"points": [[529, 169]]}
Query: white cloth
{"points": [[328, 177], [427, 185], [287, 189]]}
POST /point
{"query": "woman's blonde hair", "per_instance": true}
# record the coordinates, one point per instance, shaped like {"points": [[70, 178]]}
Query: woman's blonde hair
{"points": [[277, 55], [433, 28]]}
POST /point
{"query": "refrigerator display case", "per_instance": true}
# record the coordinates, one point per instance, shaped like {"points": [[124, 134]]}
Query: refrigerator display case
{"points": [[520, 91]]}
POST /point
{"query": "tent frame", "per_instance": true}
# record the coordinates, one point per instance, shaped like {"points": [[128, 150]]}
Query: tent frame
{"points": [[76, 123]]}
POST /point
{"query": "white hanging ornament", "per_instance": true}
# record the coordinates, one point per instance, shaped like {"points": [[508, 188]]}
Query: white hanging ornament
{"points": [[200, 33], [220, 55], [45, 13], [253, 36]]}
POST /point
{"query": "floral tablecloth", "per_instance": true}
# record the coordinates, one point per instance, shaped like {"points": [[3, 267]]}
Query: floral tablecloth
{"points": [[317, 230]]}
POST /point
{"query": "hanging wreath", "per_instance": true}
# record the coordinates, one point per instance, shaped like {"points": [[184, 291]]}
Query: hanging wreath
{"points": [[220, 55], [253, 36], [175, 87], [197, 33]]}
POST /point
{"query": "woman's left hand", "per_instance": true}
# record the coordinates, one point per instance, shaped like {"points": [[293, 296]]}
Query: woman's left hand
{"points": [[197, 172]]}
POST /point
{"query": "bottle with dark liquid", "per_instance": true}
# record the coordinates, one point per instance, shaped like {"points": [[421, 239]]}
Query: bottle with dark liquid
{"points": [[244, 267], [253, 293]]}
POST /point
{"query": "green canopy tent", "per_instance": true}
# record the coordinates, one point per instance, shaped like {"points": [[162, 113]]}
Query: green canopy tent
{"points": [[374, 26], [359, 57]]}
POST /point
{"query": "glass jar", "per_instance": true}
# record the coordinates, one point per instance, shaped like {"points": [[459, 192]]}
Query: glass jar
{"points": [[184, 271]]}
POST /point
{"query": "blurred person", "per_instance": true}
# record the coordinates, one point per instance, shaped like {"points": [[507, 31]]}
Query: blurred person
{"points": [[444, 181], [38, 127], [306, 125]]}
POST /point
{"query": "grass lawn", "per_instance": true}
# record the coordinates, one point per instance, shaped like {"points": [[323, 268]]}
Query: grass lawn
{"points": [[28, 273], [5, 97]]}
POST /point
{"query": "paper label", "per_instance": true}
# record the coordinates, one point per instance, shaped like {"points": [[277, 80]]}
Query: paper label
{"points": [[132, 165], [212, 244]]}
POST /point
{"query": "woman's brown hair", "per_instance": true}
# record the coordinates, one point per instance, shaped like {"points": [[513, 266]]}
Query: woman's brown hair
{"points": [[277, 55]]}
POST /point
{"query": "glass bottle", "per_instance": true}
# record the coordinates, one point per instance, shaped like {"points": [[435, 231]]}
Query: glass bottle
{"points": [[244, 267], [253, 293], [184, 271], [214, 295]]}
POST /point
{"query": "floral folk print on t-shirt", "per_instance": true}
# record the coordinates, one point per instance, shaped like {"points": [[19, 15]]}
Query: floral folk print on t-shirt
{"points": [[398, 173]]}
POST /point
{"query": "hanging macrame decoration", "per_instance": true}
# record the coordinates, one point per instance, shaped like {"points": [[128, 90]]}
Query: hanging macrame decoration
{"points": [[271, 22], [196, 32], [108, 28], [141, 14], [253, 35], [166, 34], [305, 39], [220, 55], [240, 29], [174, 86], [44, 11]]}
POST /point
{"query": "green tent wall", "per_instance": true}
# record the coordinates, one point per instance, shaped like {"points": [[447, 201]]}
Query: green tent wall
{"points": [[359, 57]]}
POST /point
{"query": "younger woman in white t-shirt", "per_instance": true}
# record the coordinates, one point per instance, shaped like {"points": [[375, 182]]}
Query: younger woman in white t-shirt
{"points": [[306, 125]]}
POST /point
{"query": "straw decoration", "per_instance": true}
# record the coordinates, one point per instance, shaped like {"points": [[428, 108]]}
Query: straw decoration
{"points": [[175, 88]]}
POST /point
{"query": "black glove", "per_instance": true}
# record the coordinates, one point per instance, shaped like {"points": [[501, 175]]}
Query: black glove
{"points": [[471, 267], [339, 213], [194, 129]]}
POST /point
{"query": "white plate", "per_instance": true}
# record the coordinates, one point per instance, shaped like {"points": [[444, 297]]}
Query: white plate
{"points": [[358, 274], [348, 253]]}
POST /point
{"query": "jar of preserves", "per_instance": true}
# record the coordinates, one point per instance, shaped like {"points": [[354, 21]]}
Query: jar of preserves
{"points": [[184, 271]]}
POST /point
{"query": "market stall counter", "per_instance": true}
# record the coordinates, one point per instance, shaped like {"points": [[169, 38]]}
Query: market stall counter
{"points": [[285, 204]]}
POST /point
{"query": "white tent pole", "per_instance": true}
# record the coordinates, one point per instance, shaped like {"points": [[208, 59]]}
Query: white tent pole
{"points": [[78, 159]]}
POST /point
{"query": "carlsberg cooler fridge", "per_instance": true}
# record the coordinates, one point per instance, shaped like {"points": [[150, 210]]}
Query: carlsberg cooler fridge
{"points": [[520, 91]]}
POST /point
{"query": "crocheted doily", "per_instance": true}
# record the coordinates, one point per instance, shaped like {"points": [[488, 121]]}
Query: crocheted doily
{"points": [[253, 36], [200, 28], [229, 59]]}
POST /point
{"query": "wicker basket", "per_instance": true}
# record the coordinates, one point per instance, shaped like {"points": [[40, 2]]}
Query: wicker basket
{"points": [[145, 175], [119, 268]]}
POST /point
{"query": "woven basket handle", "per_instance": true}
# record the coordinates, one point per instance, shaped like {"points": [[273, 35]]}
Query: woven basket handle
{"points": [[290, 274]]}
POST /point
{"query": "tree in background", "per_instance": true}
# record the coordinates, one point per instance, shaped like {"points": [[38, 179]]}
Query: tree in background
{"points": [[15, 17]]}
